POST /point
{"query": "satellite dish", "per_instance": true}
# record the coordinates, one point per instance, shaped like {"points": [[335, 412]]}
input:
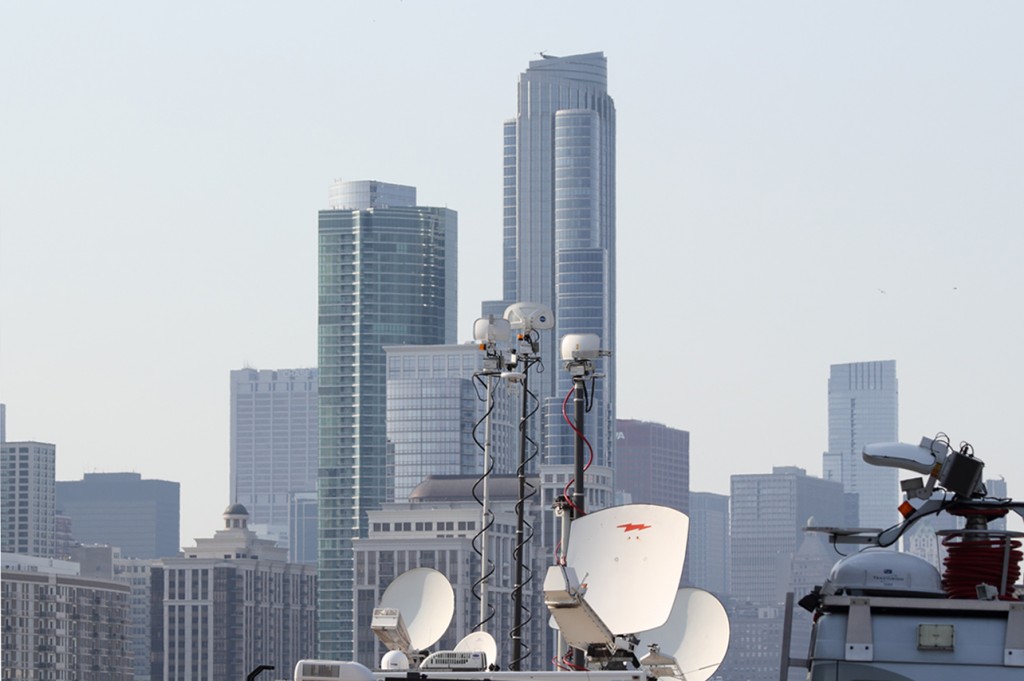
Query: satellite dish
{"points": [[630, 558], [425, 598], [696, 634], [479, 642]]}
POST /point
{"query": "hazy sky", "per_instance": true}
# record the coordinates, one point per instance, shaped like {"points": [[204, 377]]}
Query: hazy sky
{"points": [[780, 165]]}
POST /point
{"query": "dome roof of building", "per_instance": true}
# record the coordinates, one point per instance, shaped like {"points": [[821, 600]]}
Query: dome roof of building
{"points": [[460, 488], [236, 509]]}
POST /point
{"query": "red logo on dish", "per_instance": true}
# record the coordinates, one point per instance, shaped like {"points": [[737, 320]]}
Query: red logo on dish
{"points": [[633, 527]]}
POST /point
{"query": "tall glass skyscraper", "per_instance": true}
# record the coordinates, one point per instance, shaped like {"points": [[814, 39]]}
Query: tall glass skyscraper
{"points": [[559, 228], [387, 277], [863, 408]]}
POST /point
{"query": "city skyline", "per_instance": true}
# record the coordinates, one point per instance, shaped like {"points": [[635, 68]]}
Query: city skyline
{"points": [[797, 187]]}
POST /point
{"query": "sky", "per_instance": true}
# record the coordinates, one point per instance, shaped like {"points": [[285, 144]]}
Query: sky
{"points": [[799, 184]]}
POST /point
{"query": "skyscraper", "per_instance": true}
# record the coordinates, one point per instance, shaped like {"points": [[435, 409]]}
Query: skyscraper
{"points": [[387, 277], [767, 516], [707, 549], [433, 404], [559, 228], [653, 463], [141, 517], [863, 408], [273, 444], [27, 471]]}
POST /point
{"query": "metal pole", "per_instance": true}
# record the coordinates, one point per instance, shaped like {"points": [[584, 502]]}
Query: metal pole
{"points": [[579, 402], [486, 504], [578, 494], [517, 591]]}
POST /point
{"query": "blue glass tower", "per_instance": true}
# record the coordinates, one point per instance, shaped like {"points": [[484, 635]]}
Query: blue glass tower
{"points": [[387, 277], [559, 227]]}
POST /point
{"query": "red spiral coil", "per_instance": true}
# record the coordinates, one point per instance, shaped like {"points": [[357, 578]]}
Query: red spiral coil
{"points": [[977, 557]]}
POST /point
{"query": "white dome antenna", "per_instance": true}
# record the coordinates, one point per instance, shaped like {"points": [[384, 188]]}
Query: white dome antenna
{"points": [[527, 317]]}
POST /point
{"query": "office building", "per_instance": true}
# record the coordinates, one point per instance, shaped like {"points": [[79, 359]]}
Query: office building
{"points": [[59, 624], [141, 517], [707, 550], [302, 528], [433, 406], [274, 443], [28, 498], [232, 602], [387, 277], [559, 231], [652, 463], [767, 516], [863, 400]]}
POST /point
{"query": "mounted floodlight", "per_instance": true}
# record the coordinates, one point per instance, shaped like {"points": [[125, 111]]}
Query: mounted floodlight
{"points": [[526, 317], [580, 346], [490, 330]]}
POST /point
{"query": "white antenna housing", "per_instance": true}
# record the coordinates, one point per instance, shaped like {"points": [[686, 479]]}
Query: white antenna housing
{"points": [[489, 330], [580, 346], [528, 317]]}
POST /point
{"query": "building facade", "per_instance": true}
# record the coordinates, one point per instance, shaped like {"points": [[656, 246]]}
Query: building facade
{"points": [[61, 626], [435, 527], [27, 477], [140, 517], [231, 603], [387, 277], [768, 512], [434, 407], [707, 551], [274, 443], [652, 463], [863, 408], [559, 229]]}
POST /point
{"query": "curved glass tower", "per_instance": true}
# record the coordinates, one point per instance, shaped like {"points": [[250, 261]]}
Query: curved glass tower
{"points": [[559, 228], [387, 277]]}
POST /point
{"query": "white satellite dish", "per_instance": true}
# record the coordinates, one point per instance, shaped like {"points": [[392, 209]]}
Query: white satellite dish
{"points": [[479, 642], [696, 634], [427, 602], [630, 558]]}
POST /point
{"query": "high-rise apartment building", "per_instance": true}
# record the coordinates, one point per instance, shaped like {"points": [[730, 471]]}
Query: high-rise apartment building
{"points": [[141, 517], [60, 624], [27, 471], [433, 405], [231, 603], [863, 408], [387, 277], [274, 443], [559, 229]]}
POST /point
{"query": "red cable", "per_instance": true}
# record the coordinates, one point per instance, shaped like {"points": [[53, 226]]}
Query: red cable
{"points": [[590, 460]]}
